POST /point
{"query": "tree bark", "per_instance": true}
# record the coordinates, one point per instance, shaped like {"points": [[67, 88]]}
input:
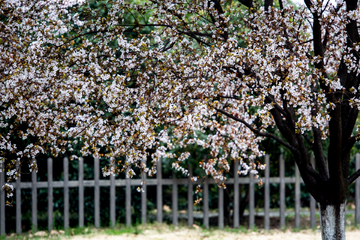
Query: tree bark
{"points": [[332, 221]]}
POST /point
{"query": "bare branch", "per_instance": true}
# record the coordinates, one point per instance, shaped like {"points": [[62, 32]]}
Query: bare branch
{"points": [[353, 177], [247, 3], [257, 132], [308, 140]]}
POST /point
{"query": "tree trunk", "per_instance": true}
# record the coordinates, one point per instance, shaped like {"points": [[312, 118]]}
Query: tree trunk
{"points": [[332, 220]]}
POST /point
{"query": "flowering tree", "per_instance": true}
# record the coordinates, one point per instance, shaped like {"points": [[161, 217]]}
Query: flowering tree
{"points": [[131, 80]]}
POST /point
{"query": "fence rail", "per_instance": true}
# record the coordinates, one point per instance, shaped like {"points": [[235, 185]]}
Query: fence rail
{"points": [[159, 182]]}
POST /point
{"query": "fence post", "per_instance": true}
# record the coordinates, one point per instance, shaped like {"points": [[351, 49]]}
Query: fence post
{"points": [[190, 199], [2, 200], [236, 195], [221, 207], [206, 203], [81, 192], [251, 201], [312, 201], [282, 192], [128, 200], [143, 197], [97, 192], [34, 200], [297, 197], [66, 193], [112, 199], [267, 193], [357, 191], [18, 200], [175, 200], [159, 205], [50, 193]]}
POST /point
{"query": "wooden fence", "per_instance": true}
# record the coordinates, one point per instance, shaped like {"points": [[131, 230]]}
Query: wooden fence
{"points": [[159, 182]]}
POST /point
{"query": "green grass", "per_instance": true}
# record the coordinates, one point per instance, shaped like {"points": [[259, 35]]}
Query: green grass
{"points": [[241, 229], [123, 230], [137, 229], [78, 231]]}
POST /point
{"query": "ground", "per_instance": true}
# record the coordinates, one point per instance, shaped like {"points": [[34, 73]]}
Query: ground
{"points": [[173, 233], [157, 231]]}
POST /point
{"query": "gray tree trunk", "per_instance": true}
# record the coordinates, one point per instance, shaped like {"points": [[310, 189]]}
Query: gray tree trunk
{"points": [[332, 220]]}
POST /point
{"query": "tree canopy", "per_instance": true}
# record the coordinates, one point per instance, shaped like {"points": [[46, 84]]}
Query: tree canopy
{"points": [[132, 80]]}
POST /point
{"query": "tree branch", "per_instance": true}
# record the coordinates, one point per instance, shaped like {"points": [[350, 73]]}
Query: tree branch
{"points": [[319, 154], [277, 106], [268, 3], [193, 35], [220, 10], [247, 3], [350, 143], [308, 140], [281, 5], [257, 132], [353, 177], [270, 100]]}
